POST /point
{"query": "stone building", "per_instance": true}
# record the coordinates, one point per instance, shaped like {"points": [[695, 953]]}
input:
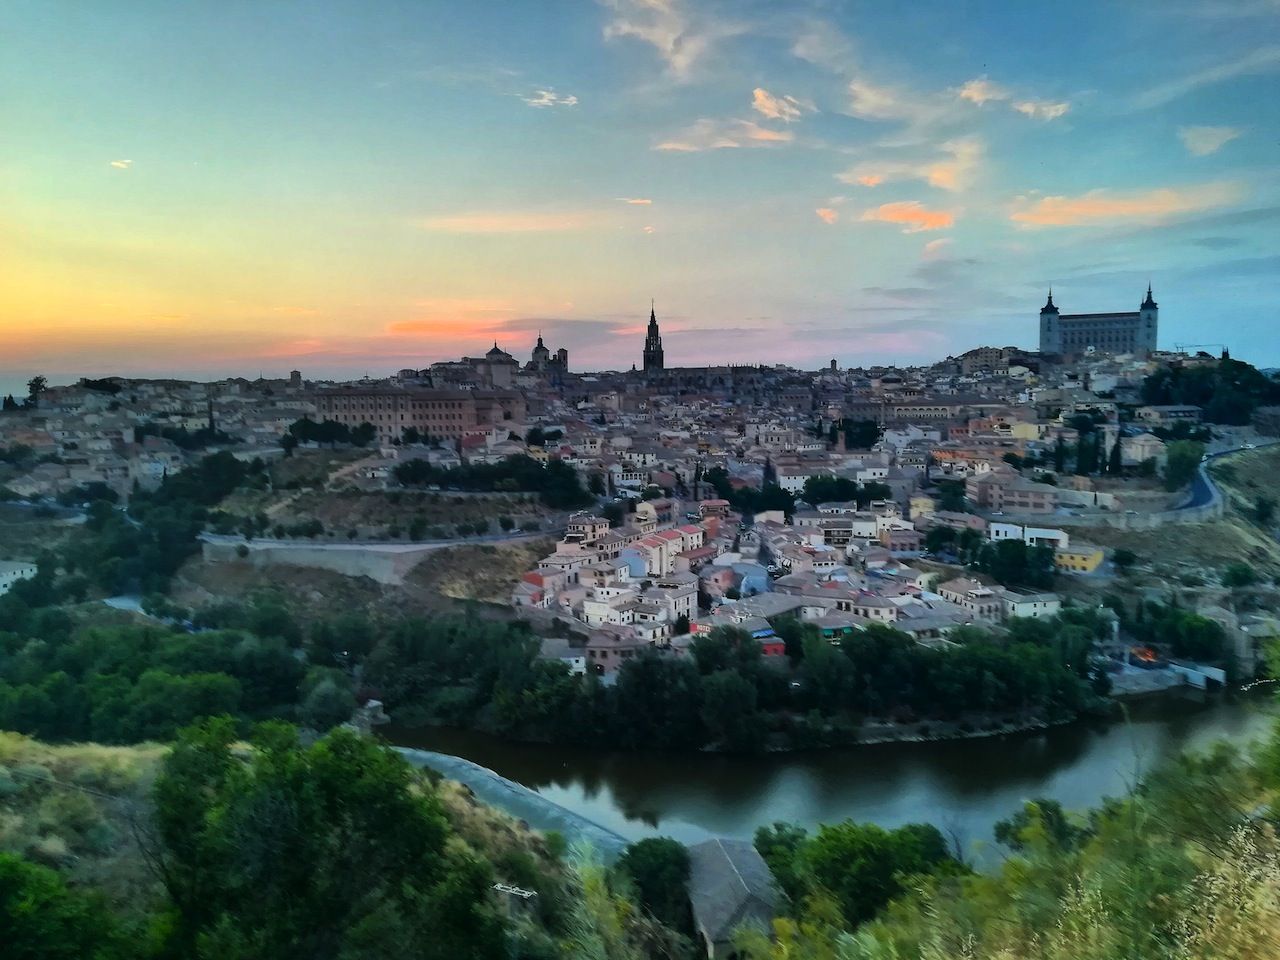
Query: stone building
{"points": [[1072, 334], [446, 414]]}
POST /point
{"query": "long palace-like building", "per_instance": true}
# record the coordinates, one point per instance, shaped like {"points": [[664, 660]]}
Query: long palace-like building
{"points": [[1072, 334], [447, 414]]}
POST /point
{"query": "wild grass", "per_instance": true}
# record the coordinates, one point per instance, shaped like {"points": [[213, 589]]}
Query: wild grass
{"points": [[76, 807]]}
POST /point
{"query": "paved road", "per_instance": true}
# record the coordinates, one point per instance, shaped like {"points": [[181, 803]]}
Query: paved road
{"points": [[1202, 486]]}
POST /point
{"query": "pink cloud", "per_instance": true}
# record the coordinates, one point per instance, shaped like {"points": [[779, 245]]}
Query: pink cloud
{"points": [[912, 215], [784, 108], [1106, 206]]}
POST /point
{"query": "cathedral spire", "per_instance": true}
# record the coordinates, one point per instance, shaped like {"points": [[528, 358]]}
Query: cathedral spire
{"points": [[653, 359]]}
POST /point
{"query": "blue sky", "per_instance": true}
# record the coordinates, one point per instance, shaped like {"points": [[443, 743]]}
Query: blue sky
{"points": [[214, 188]]}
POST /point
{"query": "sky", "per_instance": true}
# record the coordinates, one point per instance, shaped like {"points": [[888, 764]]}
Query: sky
{"points": [[205, 189]]}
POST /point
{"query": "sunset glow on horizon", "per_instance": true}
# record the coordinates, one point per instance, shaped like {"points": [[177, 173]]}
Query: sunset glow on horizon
{"points": [[210, 190]]}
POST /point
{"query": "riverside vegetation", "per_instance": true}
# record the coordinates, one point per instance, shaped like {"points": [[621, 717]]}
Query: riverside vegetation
{"points": [[335, 848], [63, 676]]}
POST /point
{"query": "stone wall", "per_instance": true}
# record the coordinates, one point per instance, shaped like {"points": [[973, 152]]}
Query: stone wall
{"points": [[385, 563]]}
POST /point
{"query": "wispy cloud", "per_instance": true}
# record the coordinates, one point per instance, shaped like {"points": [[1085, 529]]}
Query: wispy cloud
{"points": [[980, 90], [935, 248], [823, 44], [122, 164], [1202, 141], [784, 108], [954, 170], [549, 98], [1108, 207], [1042, 109], [827, 214], [680, 34], [636, 201], [912, 215], [1262, 60], [873, 101], [724, 134], [499, 222]]}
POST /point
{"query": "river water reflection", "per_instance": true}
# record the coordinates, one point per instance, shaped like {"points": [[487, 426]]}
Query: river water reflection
{"points": [[963, 787]]}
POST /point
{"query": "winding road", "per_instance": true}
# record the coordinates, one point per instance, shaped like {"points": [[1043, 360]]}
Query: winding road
{"points": [[1203, 489]]}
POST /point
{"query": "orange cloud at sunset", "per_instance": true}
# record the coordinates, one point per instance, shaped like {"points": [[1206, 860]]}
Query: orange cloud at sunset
{"points": [[912, 214], [1104, 206]]}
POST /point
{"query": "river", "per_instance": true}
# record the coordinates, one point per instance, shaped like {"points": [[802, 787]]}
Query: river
{"points": [[961, 786]]}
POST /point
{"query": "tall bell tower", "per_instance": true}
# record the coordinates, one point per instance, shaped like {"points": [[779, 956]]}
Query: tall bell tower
{"points": [[652, 343]]}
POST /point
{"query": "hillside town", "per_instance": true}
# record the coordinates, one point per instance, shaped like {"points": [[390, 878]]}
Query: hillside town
{"points": [[715, 496]]}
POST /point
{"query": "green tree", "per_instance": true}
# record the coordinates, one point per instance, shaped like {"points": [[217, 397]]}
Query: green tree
{"points": [[660, 699], [1239, 575], [938, 537], [1039, 820], [729, 711], [861, 434], [364, 434], [659, 869], [328, 704], [1264, 510], [951, 496], [780, 846], [863, 866], [1124, 559], [35, 387], [327, 851], [1182, 460], [42, 919]]}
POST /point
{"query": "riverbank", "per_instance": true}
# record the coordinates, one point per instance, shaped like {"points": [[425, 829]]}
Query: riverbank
{"points": [[961, 785], [832, 738]]}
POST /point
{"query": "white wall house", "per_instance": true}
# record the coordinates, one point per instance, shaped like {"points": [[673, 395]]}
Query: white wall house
{"points": [[11, 571]]}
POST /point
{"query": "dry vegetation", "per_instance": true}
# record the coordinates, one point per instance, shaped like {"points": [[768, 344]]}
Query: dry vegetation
{"points": [[1183, 551], [320, 485], [484, 572], [74, 808], [384, 513], [81, 809], [442, 583], [24, 533]]}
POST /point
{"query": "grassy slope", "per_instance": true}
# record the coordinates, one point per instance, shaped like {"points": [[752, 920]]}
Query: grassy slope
{"points": [[75, 807], [484, 572], [439, 584], [1183, 548], [23, 534], [332, 498]]}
